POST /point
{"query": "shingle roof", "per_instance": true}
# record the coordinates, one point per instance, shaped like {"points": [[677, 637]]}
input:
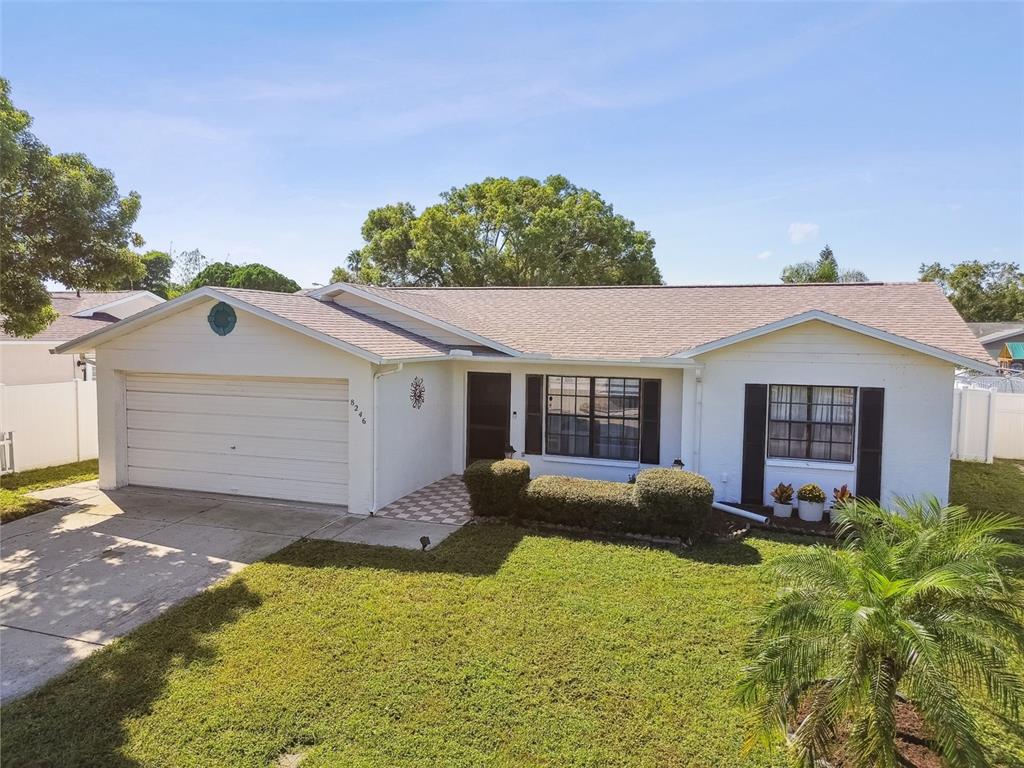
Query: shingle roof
{"points": [[657, 321], [341, 323], [66, 303]]}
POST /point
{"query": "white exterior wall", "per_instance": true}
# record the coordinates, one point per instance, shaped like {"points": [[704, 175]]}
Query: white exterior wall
{"points": [[415, 444], [183, 343], [598, 469], [917, 411], [30, 362]]}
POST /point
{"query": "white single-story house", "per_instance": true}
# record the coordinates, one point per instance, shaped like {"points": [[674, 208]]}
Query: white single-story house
{"points": [[28, 361], [358, 395]]}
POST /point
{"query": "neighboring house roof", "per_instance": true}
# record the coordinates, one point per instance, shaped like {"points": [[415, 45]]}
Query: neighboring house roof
{"points": [[1014, 349], [639, 324], [658, 321], [83, 312], [989, 332]]}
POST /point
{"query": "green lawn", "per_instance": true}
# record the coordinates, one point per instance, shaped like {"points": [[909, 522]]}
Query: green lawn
{"points": [[500, 648], [503, 647], [13, 487], [997, 487]]}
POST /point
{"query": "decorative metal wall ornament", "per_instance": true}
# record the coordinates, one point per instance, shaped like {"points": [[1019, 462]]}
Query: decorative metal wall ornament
{"points": [[417, 392], [222, 318]]}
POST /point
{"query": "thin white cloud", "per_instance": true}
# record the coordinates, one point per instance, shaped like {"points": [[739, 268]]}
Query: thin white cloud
{"points": [[802, 231], [764, 255]]}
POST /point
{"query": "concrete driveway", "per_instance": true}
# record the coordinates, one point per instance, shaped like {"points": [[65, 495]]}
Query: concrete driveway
{"points": [[77, 576]]}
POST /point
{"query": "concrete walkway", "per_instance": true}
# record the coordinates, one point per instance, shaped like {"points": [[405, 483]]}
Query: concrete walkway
{"points": [[75, 577]]}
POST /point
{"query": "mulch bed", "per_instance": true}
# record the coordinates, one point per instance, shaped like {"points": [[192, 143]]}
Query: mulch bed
{"points": [[723, 524], [912, 738]]}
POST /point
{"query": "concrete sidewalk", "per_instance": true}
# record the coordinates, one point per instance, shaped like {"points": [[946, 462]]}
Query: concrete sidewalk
{"points": [[75, 577]]}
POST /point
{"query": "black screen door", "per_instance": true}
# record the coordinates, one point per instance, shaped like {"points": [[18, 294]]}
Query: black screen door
{"points": [[489, 399]]}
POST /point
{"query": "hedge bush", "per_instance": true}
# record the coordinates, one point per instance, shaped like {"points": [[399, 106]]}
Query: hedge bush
{"points": [[662, 502], [673, 502], [496, 487], [598, 504]]}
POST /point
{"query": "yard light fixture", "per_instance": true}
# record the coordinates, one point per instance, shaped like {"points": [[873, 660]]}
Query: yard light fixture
{"points": [[510, 451], [424, 542], [677, 464]]}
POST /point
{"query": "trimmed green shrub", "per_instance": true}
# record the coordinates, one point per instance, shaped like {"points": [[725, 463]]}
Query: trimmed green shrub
{"points": [[673, 502], [598, 504], [496, 486]]}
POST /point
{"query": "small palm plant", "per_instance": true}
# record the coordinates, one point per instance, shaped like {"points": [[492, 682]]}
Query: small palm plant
{"points": [[922, 605]]}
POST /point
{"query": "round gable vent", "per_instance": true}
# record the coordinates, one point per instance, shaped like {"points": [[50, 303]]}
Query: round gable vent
{"points": [[222, 318]]}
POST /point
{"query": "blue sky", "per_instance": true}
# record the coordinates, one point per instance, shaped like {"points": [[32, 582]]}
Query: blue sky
{"points": [[743, 136]]}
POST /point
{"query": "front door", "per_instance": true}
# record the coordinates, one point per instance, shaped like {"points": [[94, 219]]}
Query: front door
{"points": [[489, 399]]}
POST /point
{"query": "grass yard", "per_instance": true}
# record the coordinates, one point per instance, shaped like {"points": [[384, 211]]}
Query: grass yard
{"points": [[13, 487], [996, 487], [503, 647], [500, 648]]}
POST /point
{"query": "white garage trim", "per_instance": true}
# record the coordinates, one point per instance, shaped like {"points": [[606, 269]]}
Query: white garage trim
{"points": [[278, 438]]}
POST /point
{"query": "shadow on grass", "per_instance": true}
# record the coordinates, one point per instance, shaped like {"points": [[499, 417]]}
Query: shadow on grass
{"points": [[467, 555], [78, 719], [483, 552]]}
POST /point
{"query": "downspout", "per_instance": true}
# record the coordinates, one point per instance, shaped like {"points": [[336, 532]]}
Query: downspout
{"points": [[698, 392], [376, 377]]}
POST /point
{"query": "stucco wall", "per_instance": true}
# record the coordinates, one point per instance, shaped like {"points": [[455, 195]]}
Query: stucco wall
{"points": [[415, 444], [30, 362], [916, 424], [600, 469], [184, 343]]}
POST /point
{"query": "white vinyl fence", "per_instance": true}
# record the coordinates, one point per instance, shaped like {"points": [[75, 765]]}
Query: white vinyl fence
{"points": [[987, 425], [50, 424]]}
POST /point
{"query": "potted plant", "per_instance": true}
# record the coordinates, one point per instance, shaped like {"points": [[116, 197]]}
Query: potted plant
{"points": [[841, 496], [810, 503], [782, 494]]}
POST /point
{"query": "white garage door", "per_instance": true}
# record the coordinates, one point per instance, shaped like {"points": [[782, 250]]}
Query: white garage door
{"points": [[280, 438]]}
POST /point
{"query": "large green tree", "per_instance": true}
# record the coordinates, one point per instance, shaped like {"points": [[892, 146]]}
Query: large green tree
{"points": [[154, 274], [255, 276], [61, 219], [982, 292], [503, 231], [824, 270]]}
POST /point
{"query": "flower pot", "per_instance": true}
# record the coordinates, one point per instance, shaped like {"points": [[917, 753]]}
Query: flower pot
{"points": [[782, 510], [811, 511]]}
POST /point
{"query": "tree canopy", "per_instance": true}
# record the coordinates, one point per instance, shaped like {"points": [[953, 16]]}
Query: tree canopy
{"points": [[503, 231], [824, 270], [255, 276], [152, 273], [989, 292], [62, 220]]}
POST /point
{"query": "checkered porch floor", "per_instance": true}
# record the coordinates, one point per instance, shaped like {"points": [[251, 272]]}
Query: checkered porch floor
{"points": [[445, 501]]}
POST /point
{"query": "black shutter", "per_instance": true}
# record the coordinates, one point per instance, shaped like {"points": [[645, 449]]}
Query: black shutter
{"points": [[650, 421], [755, 417], [869, 452], [534, 413]]}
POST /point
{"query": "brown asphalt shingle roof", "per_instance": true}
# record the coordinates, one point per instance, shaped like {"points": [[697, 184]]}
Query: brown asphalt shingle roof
{"points": [[67, 303], [657, 321], [340, 323]]}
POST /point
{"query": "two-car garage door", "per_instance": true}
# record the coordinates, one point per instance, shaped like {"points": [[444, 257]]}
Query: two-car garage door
{"points": [[279, 438]]}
